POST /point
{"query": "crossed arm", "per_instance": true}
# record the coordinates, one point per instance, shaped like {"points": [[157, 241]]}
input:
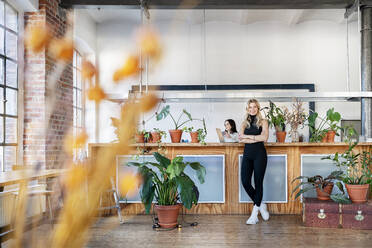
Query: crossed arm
{"points": [[243, 138]]}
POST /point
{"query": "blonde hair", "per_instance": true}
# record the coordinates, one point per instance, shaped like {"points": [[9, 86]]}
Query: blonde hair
{"points": [[247, 117]]}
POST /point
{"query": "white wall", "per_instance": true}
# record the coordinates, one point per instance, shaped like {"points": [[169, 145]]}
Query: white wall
{"points": [[263, 52]]}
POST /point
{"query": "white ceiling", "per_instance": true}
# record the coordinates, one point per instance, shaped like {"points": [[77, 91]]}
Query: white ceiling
{"points": [[289, 16]]}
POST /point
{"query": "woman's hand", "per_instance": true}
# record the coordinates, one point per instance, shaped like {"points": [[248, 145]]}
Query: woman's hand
{"points": [[227, 135]]}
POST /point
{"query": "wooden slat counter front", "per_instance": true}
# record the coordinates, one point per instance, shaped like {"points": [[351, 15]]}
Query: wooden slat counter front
{"points": [[231, 152]]}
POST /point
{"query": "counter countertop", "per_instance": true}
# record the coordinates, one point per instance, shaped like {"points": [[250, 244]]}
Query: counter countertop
{"points": [[287, 144]]}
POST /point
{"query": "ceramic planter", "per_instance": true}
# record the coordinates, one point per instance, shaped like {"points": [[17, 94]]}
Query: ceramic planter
{"points": [[324, 195], [331, 136], [194, 137], [280, 136], [175, 135], [168, 215], [155, 137], [357, 193], [140, 138]]}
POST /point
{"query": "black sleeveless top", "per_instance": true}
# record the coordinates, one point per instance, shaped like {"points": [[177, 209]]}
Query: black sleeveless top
{"points": [[253, 130]]}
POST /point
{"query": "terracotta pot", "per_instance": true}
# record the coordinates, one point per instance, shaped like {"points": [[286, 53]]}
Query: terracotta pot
{"points": [[331, 136], [167, 215], [324, 194], [194, 137], [357, 193], [155, 137], [280, 136], [175, 135], [140, 138], [325, 138]]}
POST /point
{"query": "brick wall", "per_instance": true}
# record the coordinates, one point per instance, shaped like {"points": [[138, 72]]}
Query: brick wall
{"points": [[39, 146]]}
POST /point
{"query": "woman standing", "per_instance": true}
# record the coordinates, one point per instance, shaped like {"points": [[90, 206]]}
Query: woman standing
{"points": [[254, 132], [230, 134]]}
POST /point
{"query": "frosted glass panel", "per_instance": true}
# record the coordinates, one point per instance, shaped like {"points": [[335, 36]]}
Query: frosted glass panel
{"points": [[213, 189], [313, 165], [122, 168], [275, 181]]}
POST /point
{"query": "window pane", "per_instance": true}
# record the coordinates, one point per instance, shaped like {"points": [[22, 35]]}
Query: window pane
{"points": [[10, 130], [79, 98], [11, 102], [74, 124], [11, 45], [1, 71], [74, 59], [78, 61], [11, 74], [1, 159], [78, 79], [1, 100], [79, 118], [1, 130], [2, 12], [10, 157], [11, 18], [1, 41]]}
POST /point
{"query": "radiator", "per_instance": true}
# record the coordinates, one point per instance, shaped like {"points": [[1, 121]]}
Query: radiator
{"points": [[7, 204]]}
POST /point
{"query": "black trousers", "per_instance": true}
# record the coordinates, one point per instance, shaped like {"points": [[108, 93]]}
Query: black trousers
{"points": [[254, 162]]}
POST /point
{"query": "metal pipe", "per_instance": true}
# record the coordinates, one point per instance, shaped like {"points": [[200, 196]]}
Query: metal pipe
{"points": [[366, 69]]}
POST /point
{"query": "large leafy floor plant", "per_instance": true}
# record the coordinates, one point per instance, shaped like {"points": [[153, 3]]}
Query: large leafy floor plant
{"points": [[167, 182]]}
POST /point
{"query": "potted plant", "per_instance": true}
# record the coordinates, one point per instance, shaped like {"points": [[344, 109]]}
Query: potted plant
{"points": [[323, 186], [318, 132], [202, 133], [167, 182], [157, 135], [276, 119], [295, 118], [332, 119], [193, 134], [357, 175], [349, 134], [176, 133], [198, 135]]}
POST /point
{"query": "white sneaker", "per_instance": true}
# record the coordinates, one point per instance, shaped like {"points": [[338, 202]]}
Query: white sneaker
{"points": [[253, 219], [263, 211]]}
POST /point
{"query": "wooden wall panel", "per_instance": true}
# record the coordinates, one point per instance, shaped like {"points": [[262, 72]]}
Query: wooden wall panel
{"points": [[232, 152]]}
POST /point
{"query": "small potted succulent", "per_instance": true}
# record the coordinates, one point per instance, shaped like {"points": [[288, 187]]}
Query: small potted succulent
{"points": [[276, 119]]}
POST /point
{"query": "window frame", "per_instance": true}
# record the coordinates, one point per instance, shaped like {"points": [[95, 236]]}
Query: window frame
{"points": [[6, 58]]}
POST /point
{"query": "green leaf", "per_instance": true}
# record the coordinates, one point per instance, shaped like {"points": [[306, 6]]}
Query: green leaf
{"points": [[148, 188], [163, 161], [340, 198], [187, 193], [340, 186], [303, 191], [163, 113], [200, 170], [299, 185], [134, 164], [299, 178], [176, 167], [188, 114]]}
